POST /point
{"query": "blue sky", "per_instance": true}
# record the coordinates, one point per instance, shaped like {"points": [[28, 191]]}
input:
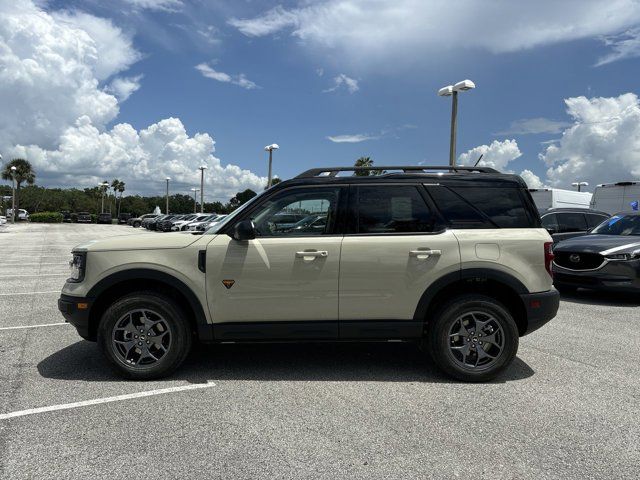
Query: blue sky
{"points": [[298, 72]]}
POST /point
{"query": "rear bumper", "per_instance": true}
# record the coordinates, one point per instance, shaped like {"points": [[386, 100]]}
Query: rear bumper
{"points": [[541, 307], [73, 312]]}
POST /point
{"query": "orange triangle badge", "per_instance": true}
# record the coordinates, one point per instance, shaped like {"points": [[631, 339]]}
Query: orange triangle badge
{"points": [[228, 283]]}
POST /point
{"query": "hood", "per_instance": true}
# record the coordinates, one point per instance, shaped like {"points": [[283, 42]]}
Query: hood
{"points": [[143, 241], [606, 244]]}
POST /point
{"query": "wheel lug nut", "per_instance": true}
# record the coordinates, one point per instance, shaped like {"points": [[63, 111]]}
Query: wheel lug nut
{"points": [[140, 343], [135, 336]]}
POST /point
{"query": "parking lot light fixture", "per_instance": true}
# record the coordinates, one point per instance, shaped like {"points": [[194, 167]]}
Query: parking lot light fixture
{"points": [[202, 168], [167, 180], [13, 194], [580, 185], [195, 202], [270, 149], [452, 91], [103, 188]]}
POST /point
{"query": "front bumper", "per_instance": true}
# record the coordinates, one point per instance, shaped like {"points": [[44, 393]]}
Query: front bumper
{"points": [[75, 311], [616, 276], [541, 307]]}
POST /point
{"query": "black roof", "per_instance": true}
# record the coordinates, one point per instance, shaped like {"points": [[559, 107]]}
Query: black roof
{"points": [[455, 176], [571, 210]]}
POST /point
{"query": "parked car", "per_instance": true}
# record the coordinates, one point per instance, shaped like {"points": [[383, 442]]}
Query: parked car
{"points": [[310, 223], [204, 226], [564, 223], [66, 216], [178, 224], [607, 258], [166, 224], [22, 214], [193, 226], [148, 221], [546, 198], [84, 217], [155, 223], [3, 220], [105, 218], [137, 221], [616, 197], [286, 220], [455, 261], [124, 218]]}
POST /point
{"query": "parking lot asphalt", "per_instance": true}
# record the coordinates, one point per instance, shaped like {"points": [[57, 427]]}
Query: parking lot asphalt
{"points": [[567, 408]]}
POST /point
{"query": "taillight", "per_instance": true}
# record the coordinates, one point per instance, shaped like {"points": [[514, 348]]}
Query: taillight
{"points": [[548, 257]]}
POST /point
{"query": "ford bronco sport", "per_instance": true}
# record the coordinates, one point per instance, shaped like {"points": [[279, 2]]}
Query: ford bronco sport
{"points": [[453, 258]]}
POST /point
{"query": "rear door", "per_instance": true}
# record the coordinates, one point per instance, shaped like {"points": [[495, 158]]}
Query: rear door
{"points": [[394, 249], [570, 224]]}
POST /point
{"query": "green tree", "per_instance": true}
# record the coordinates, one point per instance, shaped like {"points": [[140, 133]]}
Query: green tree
{"points": [[118, 187], [241, 198], [365, 162], [24, 173]]}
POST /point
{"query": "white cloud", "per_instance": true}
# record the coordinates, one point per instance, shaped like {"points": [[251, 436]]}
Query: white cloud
{"points": [[624, 45], [602, 145], [357, 138], [384, 29], [55, 108], [241, 80], [163, 5], [342, 80], [532, 180], [534, 126], [497, 155], [123, 87], [86, 155]]}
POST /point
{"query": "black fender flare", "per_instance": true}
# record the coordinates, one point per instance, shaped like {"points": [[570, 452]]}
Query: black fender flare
{"points": [[205, 331], [453, 277]]}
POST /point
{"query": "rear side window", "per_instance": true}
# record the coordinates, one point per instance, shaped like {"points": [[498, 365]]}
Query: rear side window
{"points": [[482, 207], [571, 222], [392, 209], [550, 222]]}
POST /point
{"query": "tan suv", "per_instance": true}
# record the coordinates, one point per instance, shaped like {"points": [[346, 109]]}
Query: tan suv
{"points": [[452, 258]]}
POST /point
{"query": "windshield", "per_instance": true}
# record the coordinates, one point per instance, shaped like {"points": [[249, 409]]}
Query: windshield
{"points": [[215, 227], [619, 225]]}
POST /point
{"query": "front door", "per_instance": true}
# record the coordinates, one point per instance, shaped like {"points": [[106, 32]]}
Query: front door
{"points": [[288, 273], [394, 251]]}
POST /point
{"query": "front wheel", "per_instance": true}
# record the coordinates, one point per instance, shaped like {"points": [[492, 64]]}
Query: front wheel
{"points": [[136, 224], [144, 336], [473, 338]]}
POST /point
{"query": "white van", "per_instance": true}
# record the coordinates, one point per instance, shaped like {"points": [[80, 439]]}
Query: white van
{"points": [[616, 197], [546, 198], [21, 215]]}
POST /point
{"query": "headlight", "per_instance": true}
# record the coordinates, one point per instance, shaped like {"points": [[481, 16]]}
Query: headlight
{"points": [[624, 256], [77, 266]]}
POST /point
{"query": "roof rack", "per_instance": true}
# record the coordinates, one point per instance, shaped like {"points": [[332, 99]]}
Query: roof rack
{"points": [[333, 171]]}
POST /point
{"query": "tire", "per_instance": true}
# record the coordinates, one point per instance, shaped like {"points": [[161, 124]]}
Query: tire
{"points": [[162, 336], [136, 224], [497, 336]]}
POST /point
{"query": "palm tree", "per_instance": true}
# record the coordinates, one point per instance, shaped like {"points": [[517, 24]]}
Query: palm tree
{"points": [[365, 162], [121, 189], [24, 173]]}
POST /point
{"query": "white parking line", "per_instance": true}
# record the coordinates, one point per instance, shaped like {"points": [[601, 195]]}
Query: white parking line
{"points": [[36, 275], [98, 401], [27, 293], [20, 264], [35, 326]]}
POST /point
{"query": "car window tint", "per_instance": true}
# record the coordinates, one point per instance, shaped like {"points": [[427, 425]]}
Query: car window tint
{"points": [[392, 209], [550, 222], [457, 212], [593, 220], [503, 207], [571, 222], [284, 215]]}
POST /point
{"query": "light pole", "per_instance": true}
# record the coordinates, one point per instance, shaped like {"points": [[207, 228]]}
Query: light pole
{"points": [[167, 210], [452, 91], [270, 149], [195, 202], [103, 188], [202, 168], [579, 185], [13, 194]]}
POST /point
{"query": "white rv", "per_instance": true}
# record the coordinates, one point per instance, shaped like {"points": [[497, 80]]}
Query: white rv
{"points": [[546, 198], [616, 197]]}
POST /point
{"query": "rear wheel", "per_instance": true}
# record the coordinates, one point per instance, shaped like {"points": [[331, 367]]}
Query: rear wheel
{"points": [[144, 336], [473, 338], [136, 224]]}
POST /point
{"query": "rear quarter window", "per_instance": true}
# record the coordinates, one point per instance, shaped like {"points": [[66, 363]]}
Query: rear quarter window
{"points": [[483, 207]]}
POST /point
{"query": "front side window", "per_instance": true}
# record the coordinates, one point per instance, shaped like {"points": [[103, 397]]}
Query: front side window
{"points": [[550, 222], [593, 219], [572, 222], [299, 212], [392, 209]]}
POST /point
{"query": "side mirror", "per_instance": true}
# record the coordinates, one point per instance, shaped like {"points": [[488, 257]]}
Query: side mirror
{"points": [[552, 231], [244, 230]]}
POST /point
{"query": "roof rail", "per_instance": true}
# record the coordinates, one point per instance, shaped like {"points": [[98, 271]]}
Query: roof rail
{"points": [[333, 171]]}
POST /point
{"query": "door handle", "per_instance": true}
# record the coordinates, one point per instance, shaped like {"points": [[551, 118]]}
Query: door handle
{"points": [[310, 254], [422, 254]]}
